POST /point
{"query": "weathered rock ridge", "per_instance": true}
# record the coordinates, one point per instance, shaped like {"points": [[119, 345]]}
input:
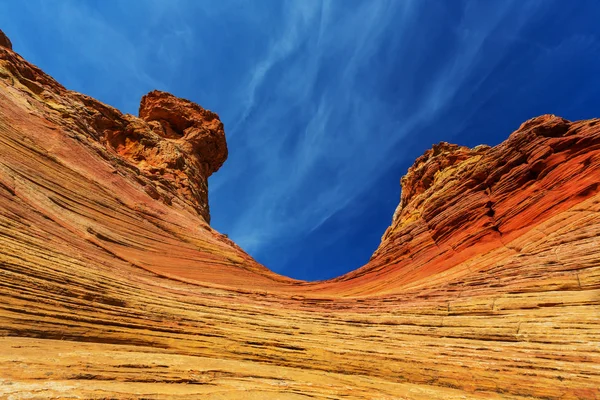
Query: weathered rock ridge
{"points": [[458, 203], [113, 285], [171, 149]]}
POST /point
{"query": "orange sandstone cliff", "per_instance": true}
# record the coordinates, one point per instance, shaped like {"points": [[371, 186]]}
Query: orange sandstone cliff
{"points": [[113, 284]]}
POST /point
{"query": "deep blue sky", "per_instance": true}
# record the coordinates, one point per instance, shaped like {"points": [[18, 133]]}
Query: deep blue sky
{"points": [[325, 103]]}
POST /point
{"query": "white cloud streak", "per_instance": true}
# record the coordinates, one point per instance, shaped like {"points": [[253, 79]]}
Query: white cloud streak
{"points": [[346, 138]]}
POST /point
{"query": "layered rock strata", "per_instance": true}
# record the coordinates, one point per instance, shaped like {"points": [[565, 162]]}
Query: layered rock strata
{"points": [[459, 204], [113, 285]]}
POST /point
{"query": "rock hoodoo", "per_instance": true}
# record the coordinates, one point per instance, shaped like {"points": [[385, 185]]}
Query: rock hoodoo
{"points": [[201, 131]]}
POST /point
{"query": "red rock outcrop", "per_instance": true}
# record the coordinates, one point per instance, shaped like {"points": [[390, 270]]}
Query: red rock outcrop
{"points": [[201, 131], [113, 285], [458, 203], [5, 41], [171, 149]]}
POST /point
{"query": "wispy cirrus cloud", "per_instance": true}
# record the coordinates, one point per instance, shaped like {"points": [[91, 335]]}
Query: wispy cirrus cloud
{"points": [[330, 127]]}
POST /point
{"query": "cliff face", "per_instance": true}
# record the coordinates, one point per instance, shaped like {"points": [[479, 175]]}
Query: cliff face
{"points": [[171, 149], [459, 203], [113, 285], [136, 187]]}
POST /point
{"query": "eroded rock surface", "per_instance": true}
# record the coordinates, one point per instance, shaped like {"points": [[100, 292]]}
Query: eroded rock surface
{"points": [[485, 286], [5, 41], [458, 203], [171, 150]]}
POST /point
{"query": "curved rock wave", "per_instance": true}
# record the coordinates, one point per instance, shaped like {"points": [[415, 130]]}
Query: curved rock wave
{"points": [[113, 285]]}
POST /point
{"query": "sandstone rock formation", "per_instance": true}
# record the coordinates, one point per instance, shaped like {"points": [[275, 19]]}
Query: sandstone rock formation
{"points": [[113, 285], [5, 41], [459, 203]]}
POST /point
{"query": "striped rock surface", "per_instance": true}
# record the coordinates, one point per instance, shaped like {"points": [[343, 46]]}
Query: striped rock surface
{"points": [[113, 285]]}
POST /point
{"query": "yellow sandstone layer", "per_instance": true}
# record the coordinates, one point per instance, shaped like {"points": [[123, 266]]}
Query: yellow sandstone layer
{"points": [[113, 285]]}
